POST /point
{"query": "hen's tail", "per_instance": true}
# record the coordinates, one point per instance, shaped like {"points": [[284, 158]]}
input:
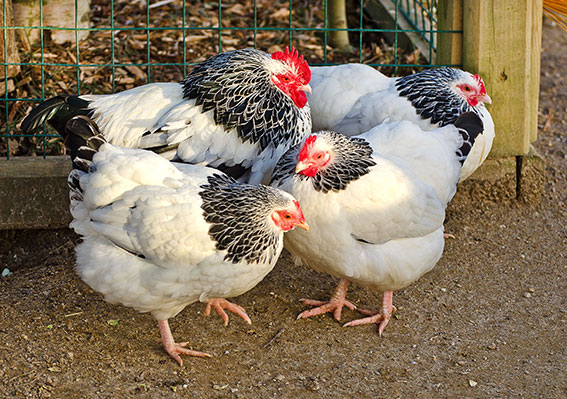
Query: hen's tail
{"points": [[469, 126], [57, 111], [83, 139]]}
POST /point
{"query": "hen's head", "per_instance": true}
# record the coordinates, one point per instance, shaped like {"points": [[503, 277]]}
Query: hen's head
{"points": [[288, 216], [471, 88], [291, 74], [315, 155]]}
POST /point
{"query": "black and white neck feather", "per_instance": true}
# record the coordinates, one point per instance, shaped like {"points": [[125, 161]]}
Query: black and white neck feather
{"points": [[432, 94], [239, 215], [237, 86], [351, 159]]}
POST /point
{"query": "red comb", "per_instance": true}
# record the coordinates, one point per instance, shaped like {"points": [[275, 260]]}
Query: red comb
{"points": [[301, 218], [477, 77], [292, 56], [307, 147]]}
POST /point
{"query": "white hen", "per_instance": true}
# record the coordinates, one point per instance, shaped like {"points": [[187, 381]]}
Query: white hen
{"points": [[158, 236], [353, 98], [374, 219], [239, 111]]}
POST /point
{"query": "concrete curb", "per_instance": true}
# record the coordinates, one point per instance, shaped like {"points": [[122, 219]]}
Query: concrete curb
{"points": [[34, 193]]}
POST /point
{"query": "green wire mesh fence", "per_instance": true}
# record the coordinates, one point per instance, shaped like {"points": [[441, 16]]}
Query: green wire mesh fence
{"points": [[114, 45]]}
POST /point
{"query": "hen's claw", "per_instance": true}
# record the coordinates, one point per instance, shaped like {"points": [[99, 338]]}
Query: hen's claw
{"points": [[382, 317], [177, 349], [219, 304], [173, 348], [335, 304]]}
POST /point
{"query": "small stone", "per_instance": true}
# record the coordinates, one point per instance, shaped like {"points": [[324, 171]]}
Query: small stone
{"points": [[531, 289], [279, 377], [473, 383], [527, 295], [492, 346], [313, 385]]}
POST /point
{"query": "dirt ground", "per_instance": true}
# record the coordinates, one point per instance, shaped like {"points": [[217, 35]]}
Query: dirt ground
{"points": [[488, 321]]}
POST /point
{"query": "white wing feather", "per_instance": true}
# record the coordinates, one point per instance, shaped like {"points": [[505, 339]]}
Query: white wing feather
{"points": [[390, 203], [429, 154], [335, 91]]}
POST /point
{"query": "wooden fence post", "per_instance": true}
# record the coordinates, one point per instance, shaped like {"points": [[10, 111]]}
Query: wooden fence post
{"points": [[502, 42], [449, 45], [8, 47]]}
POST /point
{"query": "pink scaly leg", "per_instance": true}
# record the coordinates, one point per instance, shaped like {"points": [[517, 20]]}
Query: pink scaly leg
{"points": [[219, 304], [447, 236], [335, 304], [382, 317], [175, 349]]}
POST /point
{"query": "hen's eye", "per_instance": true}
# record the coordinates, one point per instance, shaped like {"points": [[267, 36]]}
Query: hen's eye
{"points": [[287, 217], [285, 79], [467, 88], [319, 156]]}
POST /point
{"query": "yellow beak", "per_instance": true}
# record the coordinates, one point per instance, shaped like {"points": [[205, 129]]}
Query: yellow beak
{"points": [[301, 166], [306, 88], [303, 225], [486, 98]]}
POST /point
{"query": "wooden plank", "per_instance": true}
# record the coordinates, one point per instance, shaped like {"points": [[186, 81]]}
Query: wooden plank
{"points": [[383, 13], [535, 68], [58, 13], [500, 42], [449, 45]]}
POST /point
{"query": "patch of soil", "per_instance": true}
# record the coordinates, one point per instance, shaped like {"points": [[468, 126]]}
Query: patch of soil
{"points": [[488, 321]]}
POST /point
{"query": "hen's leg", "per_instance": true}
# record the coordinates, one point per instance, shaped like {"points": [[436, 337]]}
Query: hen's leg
{"points": [[335, 304], [382, 317], [175, 349], [219, 304]]}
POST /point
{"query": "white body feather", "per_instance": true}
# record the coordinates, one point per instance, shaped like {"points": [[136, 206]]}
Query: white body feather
{"points": [[138, 202], [159, 108], [429, 154], [383, 230], [369, 98]]}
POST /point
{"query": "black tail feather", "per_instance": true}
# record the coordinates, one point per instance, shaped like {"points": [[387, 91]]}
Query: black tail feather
{"points": [[83, 139], [57, 111], [470, 126]]}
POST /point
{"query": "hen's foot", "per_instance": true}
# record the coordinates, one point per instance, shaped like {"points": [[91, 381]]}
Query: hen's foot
{"points": [[382, 317], [335, 304], [219, 304], [447, 235], [173, 348]]}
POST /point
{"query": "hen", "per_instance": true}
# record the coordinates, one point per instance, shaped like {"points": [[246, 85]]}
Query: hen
{"points": [[430, 99], [158, 236], [237, 111], [374, 218]]}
